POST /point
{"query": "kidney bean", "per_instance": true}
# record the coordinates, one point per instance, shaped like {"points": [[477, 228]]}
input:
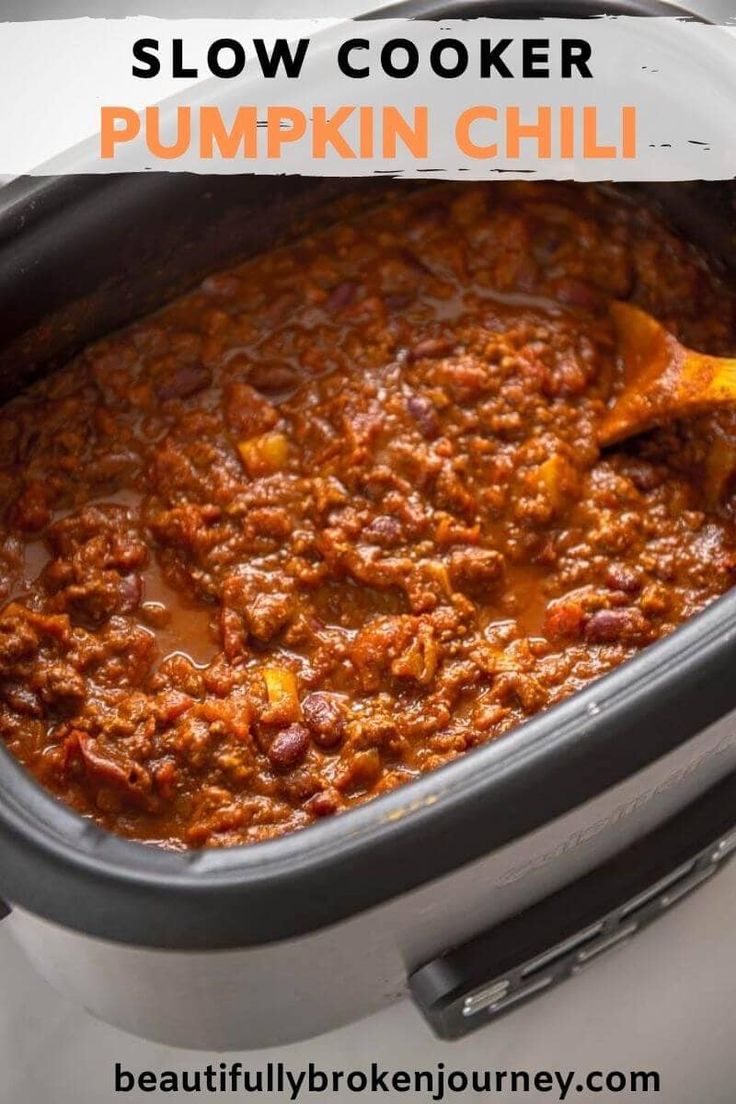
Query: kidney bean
{"points": [[397, 301], [341, 296], [385, 530], [325, 803], [578, 293], [187, 380], [609, 625], [431, 347], [130, 590], [619, 577], [433, 214], [547, 242], [410, 258], [289, 747], [127, 775], [424, 414], [324, 715], [272, 376]]}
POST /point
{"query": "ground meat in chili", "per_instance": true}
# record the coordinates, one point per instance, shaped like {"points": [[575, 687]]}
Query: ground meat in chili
{"points": [[339, 515]]}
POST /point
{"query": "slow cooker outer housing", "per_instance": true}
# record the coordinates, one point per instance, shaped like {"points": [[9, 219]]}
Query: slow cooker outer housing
{"points": [[320, 927]]}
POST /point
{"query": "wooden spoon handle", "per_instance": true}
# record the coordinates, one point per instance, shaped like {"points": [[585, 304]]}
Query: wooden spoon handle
{"points": [[663, 380], [706, 381]]}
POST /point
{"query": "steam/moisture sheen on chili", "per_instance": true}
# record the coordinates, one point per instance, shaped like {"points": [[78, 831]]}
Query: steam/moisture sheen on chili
{"points": [[339, 515]]}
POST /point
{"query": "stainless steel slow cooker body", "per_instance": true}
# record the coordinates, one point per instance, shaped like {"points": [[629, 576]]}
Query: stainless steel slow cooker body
{"points": [[262, 945]]}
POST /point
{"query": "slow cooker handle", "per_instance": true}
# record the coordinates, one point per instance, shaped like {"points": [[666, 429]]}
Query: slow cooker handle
{"points": [[554, 939], [4, 909]]}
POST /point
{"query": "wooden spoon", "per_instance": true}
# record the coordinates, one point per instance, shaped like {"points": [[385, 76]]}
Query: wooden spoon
{"points": [[663, 380]]}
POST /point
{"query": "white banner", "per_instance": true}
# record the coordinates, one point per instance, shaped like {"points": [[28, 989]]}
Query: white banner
{"points": [[623, 99]]}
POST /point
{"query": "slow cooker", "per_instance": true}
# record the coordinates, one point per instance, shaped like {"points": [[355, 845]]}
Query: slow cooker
{"points": [[474, 888]]}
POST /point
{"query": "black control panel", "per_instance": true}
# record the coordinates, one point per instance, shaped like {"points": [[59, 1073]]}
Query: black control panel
{"points": [[533, 952]]}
